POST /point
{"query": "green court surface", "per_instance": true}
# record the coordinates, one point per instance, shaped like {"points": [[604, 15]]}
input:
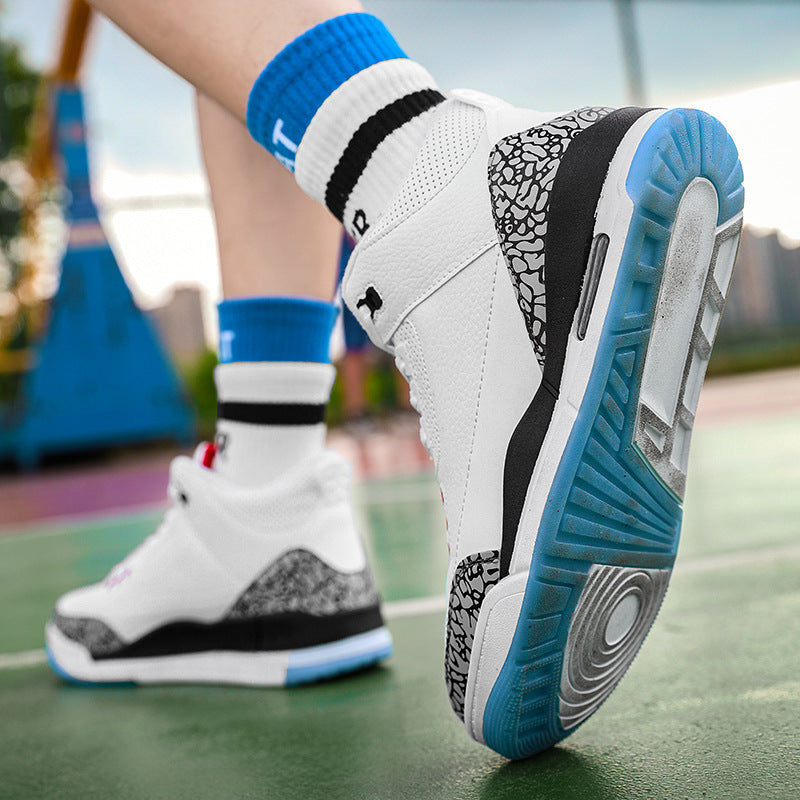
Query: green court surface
{"points": [[709, 709]]}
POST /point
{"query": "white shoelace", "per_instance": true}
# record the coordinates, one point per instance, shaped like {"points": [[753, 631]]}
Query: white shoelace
{"points": [[413, 397]]}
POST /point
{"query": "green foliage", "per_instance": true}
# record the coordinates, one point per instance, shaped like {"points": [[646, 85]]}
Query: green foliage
{"points": [[380, 390], [19, 85], [381, 387], [756, 353], [198, 378]]}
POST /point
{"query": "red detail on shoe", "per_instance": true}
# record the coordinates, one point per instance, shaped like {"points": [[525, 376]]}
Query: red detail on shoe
{"points": [[208, 455]]}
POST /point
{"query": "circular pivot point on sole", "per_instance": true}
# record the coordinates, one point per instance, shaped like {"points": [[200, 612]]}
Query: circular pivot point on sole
{"points": [[614, 613], [622, 618]]}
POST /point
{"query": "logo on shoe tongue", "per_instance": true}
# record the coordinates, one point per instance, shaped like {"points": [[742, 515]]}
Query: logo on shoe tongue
{"points": [[372, 300], [360, 224]]}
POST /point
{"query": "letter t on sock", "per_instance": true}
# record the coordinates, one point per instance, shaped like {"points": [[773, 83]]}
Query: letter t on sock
{"points": [[345, 110]]}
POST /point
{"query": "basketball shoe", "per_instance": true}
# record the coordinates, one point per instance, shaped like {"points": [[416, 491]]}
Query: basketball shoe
{"points": [[551, 287], [264, 586]]}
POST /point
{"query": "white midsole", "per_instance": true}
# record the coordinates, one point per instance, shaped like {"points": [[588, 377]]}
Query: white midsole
{"points": [[219, 666], [489, 652]]}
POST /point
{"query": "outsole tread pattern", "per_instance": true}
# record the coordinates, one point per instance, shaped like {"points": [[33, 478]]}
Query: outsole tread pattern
{"points": [[574, 532]]}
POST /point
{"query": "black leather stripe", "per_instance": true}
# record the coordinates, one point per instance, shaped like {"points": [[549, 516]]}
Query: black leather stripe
{"points": [[272, 413], [366, 139], [262, 634], [570, 228]]}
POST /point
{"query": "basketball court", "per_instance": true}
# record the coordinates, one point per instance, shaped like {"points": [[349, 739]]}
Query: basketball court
{"points": [[709, 708]]}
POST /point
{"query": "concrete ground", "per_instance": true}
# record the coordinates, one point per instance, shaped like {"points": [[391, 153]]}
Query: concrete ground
{"points": [[709, 709]]}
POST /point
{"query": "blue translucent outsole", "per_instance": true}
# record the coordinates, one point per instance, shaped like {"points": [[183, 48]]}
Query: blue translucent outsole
{"points": [[327, 661], [67, 678], [606, 505]]}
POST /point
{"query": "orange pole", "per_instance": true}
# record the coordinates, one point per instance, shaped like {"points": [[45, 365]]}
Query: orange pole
{"points": [[41, 161], [75, 30]]}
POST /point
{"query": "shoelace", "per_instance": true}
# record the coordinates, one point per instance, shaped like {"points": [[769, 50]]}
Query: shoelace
{"points": [[400, 353], [402, 365], [175, 495]]}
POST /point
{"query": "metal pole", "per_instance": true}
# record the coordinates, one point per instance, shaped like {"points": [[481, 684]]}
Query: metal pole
{"points": [[630, 52]]}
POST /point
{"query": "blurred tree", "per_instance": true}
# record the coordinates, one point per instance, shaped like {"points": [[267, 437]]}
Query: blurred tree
{"points": [[19, 88]]}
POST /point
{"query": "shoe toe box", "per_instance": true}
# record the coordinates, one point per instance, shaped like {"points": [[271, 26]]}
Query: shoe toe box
{"points": [[77, 616]]}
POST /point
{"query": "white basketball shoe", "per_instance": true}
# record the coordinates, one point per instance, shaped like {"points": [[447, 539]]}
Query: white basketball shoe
{"points": [[551, 286], [262, 586]]}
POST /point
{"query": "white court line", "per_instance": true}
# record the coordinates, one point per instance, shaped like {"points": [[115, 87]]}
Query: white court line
{"points": [[742, 558], [420, 606], [416, 607], [26, 659]]}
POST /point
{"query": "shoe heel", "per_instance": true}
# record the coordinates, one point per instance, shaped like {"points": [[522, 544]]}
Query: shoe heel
{"points": [[608, 536], [695, 271]]}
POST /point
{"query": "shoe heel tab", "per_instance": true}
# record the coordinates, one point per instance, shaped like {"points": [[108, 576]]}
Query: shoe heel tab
{"points": [[502, 118], [479, 99]]}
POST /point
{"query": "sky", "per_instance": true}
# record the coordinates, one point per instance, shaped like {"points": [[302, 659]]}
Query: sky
{"points": [[547, 54]]}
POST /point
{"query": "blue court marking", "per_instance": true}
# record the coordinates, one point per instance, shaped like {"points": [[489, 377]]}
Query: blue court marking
{"points": [[606, 506], [327, 660]]}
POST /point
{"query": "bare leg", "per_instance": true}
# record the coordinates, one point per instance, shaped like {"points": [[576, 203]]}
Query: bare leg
{"points": [[273, 239], [219, 47]]}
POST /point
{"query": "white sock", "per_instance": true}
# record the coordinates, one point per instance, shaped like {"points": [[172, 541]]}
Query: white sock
{"points": [[363, 139], [270, 417]]}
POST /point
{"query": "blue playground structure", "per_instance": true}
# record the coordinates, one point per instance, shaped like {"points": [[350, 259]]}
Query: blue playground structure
{"points": [[100, 376]]}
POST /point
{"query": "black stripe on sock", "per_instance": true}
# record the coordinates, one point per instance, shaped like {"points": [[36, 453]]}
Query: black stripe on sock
{"points": [[366, 139], [272, 413]]}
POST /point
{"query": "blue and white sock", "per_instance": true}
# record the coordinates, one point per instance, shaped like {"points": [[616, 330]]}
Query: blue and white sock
{"points": [[273, 380], [345, 110]]}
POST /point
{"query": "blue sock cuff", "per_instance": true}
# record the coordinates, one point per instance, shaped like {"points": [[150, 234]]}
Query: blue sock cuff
{"points": [[306, 72], [275, 329]]}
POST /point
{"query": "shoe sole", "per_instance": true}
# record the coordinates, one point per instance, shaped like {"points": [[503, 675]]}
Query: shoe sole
{"points": [[599, 531], [73, 663]]}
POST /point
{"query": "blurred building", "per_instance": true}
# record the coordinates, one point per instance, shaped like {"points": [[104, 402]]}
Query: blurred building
{"points": [[765, 294], [180, 324]]}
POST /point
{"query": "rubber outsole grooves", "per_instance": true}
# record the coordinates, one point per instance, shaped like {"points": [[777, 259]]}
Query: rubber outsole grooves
{"points": [[608, 505]]}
